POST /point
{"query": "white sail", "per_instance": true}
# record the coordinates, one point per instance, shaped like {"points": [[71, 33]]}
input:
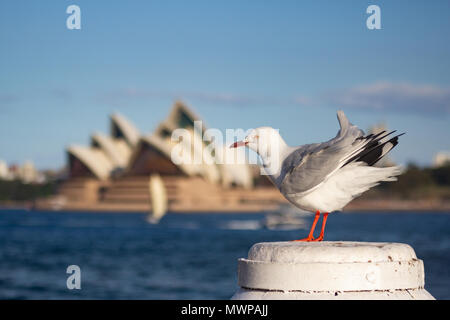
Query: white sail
{"points": [[158, 198]]}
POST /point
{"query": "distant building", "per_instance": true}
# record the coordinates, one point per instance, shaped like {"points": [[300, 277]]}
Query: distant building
{"points": [[106, 153], [14, 171], [113, 172], [26, 173], [441, 158], [180, 117], [4, 171]]}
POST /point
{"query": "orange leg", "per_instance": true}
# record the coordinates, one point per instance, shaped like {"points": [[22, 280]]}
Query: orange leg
{"points": [[311, 232], [324, 222]]}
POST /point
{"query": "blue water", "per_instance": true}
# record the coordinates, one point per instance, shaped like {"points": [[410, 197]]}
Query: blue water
{"points": [[186, 256]]}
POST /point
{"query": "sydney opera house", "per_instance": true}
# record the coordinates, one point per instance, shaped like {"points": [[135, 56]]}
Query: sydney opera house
{"points": [[113, 172]]}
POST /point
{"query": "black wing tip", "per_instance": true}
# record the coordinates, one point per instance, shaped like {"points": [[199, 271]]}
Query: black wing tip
{"points": [[373, 151]]}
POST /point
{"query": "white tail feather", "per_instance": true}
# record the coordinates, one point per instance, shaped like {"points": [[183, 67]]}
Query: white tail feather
{"points": [[344, 185]]}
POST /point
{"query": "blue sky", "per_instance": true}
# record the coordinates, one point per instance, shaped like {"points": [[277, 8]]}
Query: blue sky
{"points": [[238, 64]]}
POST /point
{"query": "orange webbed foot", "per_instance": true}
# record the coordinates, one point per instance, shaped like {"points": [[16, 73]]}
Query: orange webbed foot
{"points": [[309, 239]]}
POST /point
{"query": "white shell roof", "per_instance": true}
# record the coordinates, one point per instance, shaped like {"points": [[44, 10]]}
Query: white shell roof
{"points": [[93, 158], [166, 149], [116, 149], [130, 132]]}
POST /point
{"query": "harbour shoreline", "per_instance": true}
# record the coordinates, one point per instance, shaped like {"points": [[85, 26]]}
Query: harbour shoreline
{"points": [[356, 206]]}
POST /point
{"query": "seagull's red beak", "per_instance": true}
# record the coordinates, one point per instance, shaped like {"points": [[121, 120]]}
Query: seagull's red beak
{"points": [[239, 144]]}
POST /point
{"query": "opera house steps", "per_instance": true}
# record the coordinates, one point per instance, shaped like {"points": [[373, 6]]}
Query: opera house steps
{"points": [[80, 189], [188, 194], [184, 194]]}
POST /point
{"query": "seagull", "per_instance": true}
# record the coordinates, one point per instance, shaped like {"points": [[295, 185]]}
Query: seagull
{"points": [[324, 177]]}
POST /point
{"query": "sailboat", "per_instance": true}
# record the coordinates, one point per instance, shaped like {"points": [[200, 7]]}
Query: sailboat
{"points": [[158, 197]]}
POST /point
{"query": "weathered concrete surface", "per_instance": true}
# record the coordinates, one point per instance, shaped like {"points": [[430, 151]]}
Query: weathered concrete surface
{"points": [[331, 270]]}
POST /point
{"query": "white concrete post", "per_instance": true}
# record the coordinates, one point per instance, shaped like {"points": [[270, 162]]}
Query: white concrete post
{"points": [[331, 270]]}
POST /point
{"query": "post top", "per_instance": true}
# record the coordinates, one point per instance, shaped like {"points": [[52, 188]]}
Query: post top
{"points": [[331, 252]]}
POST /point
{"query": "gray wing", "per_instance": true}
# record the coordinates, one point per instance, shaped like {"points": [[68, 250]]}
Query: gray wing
{"points": [[310, 164]]}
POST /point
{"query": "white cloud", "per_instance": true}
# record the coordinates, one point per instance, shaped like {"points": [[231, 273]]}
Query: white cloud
{"points": [[382, 96], [400, 97]]}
